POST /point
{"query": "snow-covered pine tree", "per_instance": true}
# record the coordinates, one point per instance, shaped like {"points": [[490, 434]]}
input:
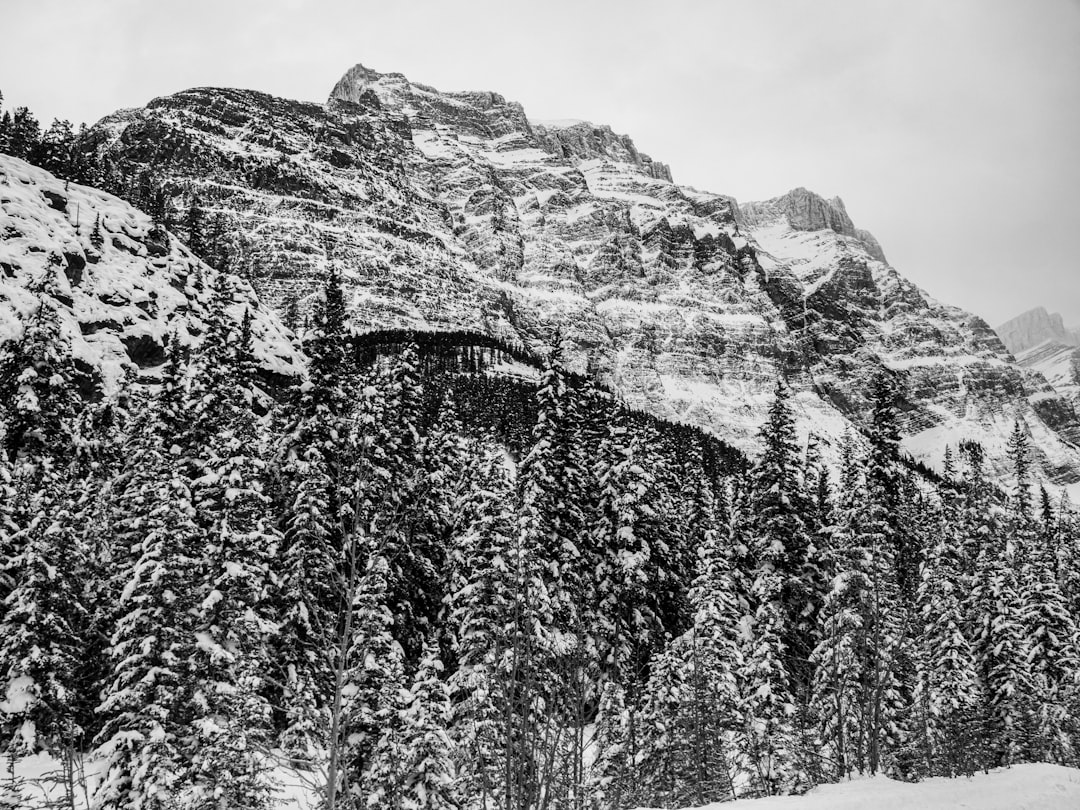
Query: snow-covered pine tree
{"points": [[368, 738], [550, 479], [778, 540], [1000, 650], [308, 589], [1068, 555], [39, 643], [891, 556], [713, 664], [947, 695], [546, 642], [766, 705], [481, 616], [145, 704], [1050, 632], [429, 777], [232, 730], [662, 763], [781, 538], [623, 549], [412, 553], [609, 784]]}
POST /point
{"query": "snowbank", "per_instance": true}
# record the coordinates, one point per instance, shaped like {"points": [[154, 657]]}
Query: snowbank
{"points": [[1023, 787]]}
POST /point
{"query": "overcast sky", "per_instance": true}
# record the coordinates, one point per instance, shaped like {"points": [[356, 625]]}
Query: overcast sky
{"points": [[951, 128]]}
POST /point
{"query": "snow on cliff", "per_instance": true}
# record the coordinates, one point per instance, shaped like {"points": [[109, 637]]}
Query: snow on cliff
{"points": [[121, 286]]}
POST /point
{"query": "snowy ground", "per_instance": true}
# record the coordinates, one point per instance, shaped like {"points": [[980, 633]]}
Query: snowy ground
{"points": [[41, 784], [1024, 787]]}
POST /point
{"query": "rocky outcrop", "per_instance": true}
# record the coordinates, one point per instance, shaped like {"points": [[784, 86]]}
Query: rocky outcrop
{"points": [[122, 288], [586, 141], [806, 211]]}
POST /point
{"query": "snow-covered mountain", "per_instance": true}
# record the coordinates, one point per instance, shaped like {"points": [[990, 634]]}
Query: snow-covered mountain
{"points": [[455, 210], [122, 287], [1041, 343], [1034, 327]]}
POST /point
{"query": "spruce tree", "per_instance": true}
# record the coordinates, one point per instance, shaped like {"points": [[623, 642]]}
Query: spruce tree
{"points": [[313, 467], [429, 779], [24, 134], [609, 782], [44, 608], [1000, 651], [481, 612], [947, 697], [714, 663], [232, 621], [146, 703]]}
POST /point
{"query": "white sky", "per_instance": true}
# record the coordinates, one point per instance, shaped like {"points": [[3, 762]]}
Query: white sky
{"points": [[951, 128]]}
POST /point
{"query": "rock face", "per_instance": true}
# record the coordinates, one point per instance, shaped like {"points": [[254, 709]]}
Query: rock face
{"points": [[805, 211], [454, 210], [585, 141], [121, 296]]}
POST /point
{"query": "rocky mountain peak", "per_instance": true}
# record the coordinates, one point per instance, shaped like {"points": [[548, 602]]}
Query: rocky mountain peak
{"points": [[488, 115], [805, 210], [1034, 327], [480, 114]]}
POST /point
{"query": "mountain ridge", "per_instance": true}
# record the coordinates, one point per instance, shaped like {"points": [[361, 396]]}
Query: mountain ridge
{"points": [[452, 210]]}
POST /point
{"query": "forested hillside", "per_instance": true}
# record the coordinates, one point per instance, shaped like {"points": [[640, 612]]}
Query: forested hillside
{"points": [[435, 585]]}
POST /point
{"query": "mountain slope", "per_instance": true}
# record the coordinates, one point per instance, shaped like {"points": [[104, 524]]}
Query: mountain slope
{"points": [[454, 210], [123, 287]]}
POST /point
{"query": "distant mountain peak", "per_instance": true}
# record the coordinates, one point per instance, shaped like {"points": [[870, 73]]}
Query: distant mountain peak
{"points": [[1034, 327]]}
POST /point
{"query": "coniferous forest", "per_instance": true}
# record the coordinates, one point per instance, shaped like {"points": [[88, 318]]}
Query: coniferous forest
{"points": [[443, 572], [424, 584]]}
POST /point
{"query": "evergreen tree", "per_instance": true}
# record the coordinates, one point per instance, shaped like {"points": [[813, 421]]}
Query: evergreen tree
{"points": [[482, 605], [1049, 629], [374, 672], [781, 539], [429, 780], [663, 762], [1000, 651], [947, 698], [610, 780], [627, 623], [39, 642], [714, 664], [195, 227], [146, 702], [5, 134], [308, 588], [232, 726], [55, 151], [24, 134]]}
